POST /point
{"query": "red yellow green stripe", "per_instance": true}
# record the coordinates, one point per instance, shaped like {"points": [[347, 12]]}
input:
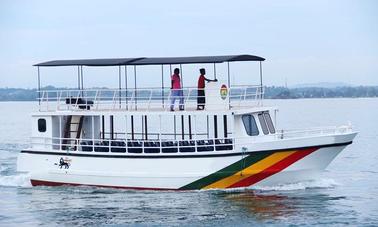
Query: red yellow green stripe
{"points": [[273, 169], [250, 170]]}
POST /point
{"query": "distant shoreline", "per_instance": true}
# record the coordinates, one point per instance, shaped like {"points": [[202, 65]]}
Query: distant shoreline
{"points": [[271, 92]]}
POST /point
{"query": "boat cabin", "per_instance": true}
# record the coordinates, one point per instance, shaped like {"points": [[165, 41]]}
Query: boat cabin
{"points": [[138, 121]]}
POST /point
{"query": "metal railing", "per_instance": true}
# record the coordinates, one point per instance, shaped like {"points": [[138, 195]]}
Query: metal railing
{"points": [[135, 146], [177, 146], [317, 131], [144, 99]]}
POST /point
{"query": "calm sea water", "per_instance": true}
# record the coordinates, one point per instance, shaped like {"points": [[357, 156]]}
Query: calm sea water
{"points": [[347, 193]]}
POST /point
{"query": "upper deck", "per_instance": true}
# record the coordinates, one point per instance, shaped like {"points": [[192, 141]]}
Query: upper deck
{"points": [[219, 96], [149, 99]]}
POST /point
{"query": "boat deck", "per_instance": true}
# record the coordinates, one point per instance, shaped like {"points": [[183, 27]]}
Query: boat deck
{"points": [[150, 99]]}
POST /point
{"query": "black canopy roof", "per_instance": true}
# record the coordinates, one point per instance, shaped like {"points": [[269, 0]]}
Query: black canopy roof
{"points": [[89, 62], [199, 59], [151, 61]]}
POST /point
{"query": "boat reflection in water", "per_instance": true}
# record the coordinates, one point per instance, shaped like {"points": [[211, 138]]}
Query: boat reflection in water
{"points": [[260, 205]]}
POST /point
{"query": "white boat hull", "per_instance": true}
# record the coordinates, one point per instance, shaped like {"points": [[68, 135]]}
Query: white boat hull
{"points": [[182, 172]]}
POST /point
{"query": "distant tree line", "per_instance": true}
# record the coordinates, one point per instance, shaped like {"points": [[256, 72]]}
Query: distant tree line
{"points": [[318, 92], [271, 92]]}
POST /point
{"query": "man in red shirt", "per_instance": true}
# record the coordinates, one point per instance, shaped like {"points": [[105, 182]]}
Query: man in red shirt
{"points": [[201, 89]]}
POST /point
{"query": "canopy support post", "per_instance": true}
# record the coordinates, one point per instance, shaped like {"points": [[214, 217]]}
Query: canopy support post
{"points": [[174, 126], [78, 77], [228, 75], [135, 89], [171, 85], [162, 86], [228, 84], [127, 106], [82, 80], [215, 72], [39, 86], [182, 78], [119, 85], [82, 77], [182, 127], [261, 80]]}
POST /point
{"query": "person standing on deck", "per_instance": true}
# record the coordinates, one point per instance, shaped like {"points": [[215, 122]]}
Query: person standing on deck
{"points": [[201, 89], [176, 91]]}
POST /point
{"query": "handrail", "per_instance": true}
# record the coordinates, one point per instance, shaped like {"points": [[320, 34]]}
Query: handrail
{"points": [[217, 144], [145, 99]]}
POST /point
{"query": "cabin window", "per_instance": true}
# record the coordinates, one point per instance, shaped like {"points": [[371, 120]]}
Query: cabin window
{"points": [[250, 125], [41, 125], [263, 124], [269, 122]]}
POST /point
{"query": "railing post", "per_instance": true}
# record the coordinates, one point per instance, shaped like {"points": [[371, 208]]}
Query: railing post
{"points": [[168, 100], [47, 99], [110, 145], [149, 100], [114, 99]]}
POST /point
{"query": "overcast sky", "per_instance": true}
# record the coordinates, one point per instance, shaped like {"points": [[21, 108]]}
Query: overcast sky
{"points": [[303, 41]]}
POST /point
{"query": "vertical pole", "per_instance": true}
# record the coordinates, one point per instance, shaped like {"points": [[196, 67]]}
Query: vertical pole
{"points": [[132, 127], [182, 78], [215, 126], [135, 87], [145, 127], [182, 128], [161, 149], [228, 75], [228, 84], [39, 86], [195, 132], [78, 77], [170, 84], [190, 126], [111, 127], [174, 126], [225, 126], [126, 128], [127, 106], [60, 132], [162, 85], [261, 80], [103, 127], [215, 72], [82, 77], [119, 86], [92, 133], [82, 80], [142, 128], [207, 124]]}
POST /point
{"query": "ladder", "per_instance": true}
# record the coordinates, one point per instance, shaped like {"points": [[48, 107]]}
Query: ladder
{"points": [[72, 131]]}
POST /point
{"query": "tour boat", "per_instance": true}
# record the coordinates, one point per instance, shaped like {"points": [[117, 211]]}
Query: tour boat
{"points": [[129, 138]]}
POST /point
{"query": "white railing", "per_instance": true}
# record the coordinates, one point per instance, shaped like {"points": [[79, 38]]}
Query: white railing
{"points": [[318, 131], [159, 145], [142, 99], [134, 146]]}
